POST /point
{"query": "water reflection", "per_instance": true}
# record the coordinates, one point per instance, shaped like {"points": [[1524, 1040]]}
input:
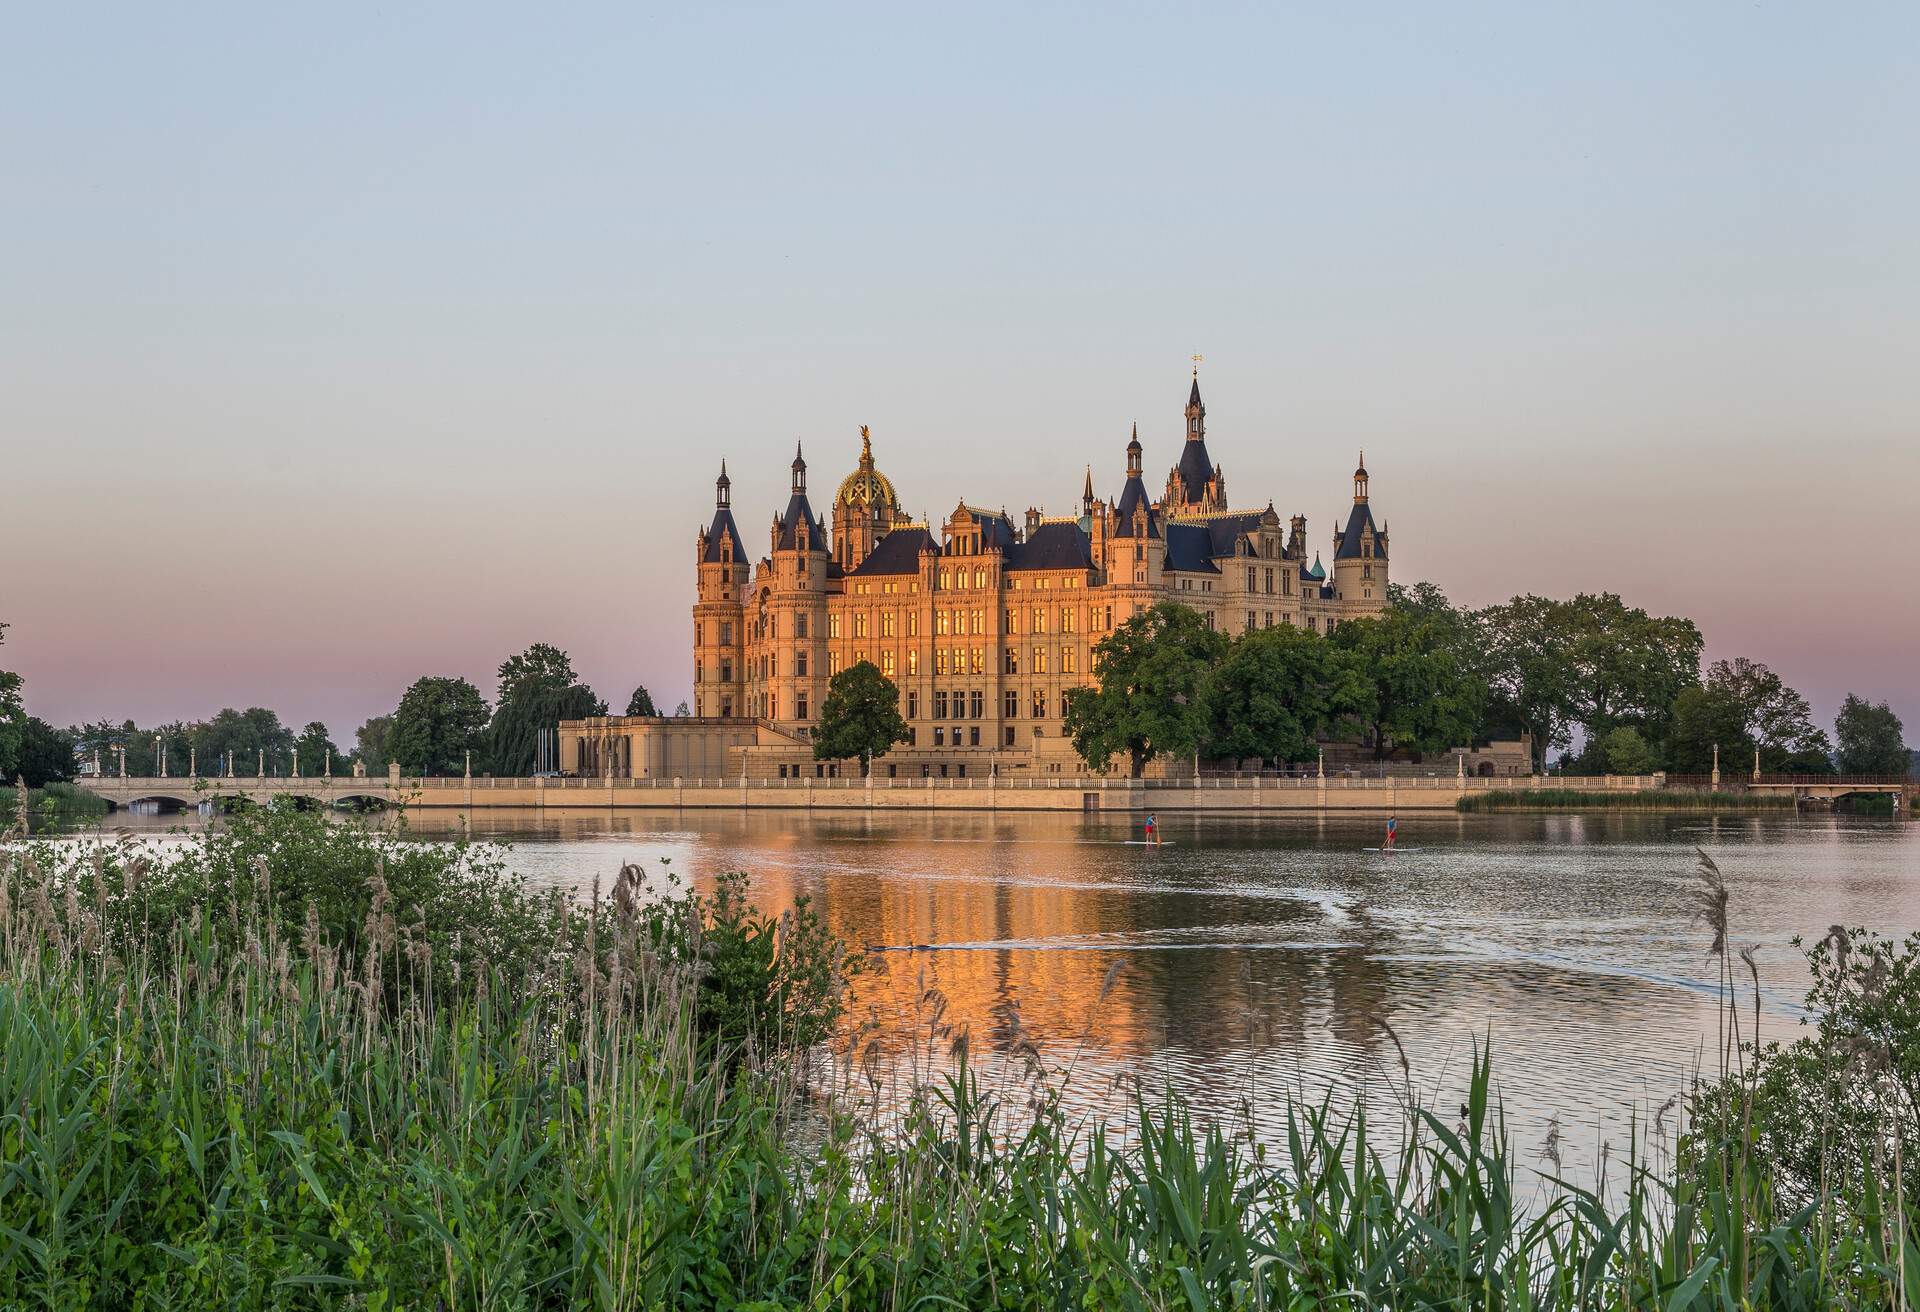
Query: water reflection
{"points": [[1260, 957]]}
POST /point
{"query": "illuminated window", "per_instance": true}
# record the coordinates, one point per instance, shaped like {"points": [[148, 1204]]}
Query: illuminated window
{"points": [[913, 661], [1039, 660]]}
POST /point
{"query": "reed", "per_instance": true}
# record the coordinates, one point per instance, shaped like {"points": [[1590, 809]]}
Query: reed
{"points": [[218, 1108], [1575, 799]]}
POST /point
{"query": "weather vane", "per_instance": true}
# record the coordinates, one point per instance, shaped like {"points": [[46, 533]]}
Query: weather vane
{"points": [[1198, 360]]}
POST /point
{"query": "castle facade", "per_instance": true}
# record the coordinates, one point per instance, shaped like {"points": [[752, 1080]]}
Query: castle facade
{"points": [[984, 623]]}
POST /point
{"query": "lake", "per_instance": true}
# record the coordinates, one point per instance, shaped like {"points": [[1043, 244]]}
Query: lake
{"points": [[1251, 958]]}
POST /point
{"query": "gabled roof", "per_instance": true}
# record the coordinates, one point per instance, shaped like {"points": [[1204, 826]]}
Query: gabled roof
{"points": [[723, 527], [1190, 548], [1361, 518], [790, 521], [898, 552], [1052, 546]]}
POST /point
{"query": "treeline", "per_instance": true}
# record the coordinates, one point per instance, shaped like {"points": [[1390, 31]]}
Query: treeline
{"points": [[440, 719], [1425, 676]]}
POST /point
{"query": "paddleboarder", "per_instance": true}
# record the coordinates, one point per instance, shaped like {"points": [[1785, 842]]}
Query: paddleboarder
{"points": [[1153, 830], [1393, 827]]}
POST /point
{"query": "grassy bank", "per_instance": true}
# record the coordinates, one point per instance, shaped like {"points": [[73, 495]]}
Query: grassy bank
{"points": [[1574, 799], [56, 804], [308, 1067]]}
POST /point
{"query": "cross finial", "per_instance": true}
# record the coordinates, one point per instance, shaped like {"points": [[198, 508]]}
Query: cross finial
{"points": [[1198, 360]]}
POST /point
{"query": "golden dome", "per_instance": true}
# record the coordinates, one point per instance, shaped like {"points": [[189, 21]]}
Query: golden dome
{"points": [[867, 486]]}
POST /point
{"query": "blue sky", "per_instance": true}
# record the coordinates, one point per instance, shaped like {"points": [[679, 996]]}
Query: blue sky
{"points": [[341, 346]]}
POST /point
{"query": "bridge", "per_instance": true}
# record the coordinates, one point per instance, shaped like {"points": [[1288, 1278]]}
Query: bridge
{"points": [[1830, 788], [183, 793]]}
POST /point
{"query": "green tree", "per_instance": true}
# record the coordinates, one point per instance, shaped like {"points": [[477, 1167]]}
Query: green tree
{"points": [[439, 720], [254, 738], [860, 717], [1778, 720], [1702, 719], [46, 755], [1626, 666], [317, 752], [13, 720], [1624, 751], [1416, 695], [1145, 700], [1531, 674], [1276, 692], [641, 703], [1869, 738], [370, 743], [538, 689]]}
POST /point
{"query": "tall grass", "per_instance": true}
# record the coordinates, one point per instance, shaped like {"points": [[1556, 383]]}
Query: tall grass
{"points": [[210, 1109], [1576, 799]]}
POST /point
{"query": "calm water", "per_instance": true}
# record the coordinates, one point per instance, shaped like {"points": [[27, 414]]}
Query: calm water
{"points": [[1258, 957]]}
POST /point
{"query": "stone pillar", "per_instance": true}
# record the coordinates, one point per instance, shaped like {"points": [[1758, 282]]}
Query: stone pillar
{"points": [[468, 773], [1756, 765], [260, 764], [193, 761], [327, 769], [393, 774], [296, 763], [1716, 765], [122, 750]]}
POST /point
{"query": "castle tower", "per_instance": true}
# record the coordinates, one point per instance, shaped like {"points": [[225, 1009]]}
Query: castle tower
{"points": [[787, 614], [1195, 483], [865, 509], [719, 630], [1137, 550], [1360, 553]]}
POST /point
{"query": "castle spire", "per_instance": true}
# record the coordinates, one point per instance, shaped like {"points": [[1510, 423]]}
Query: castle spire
{"points": [[1133, 452], [1086, 494], [799, 469], [722, 488], [1360, 481]]}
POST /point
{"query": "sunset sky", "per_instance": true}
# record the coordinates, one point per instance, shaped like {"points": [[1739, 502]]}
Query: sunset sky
{"points": [[341, 345]]}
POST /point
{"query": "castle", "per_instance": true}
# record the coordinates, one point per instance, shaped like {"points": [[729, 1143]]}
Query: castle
{"points": [[983, 625]]}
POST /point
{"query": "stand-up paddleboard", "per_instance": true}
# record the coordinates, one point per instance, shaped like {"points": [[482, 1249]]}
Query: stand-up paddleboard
{"points": [[1141, 842], [1391, 850]]}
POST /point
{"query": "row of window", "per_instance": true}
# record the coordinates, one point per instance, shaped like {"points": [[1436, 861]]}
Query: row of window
{"points": [[958, 705]]}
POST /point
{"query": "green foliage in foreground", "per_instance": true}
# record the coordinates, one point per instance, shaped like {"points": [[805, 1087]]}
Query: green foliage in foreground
{"points": [[1577, 799], [287, 1125]]}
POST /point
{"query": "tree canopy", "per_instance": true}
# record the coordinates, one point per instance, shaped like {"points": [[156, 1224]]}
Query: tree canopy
{"points": [[317, 751], [1276, 693], [439, 720], [1702, 719], [538, 689], [1145, 701], [370, 743], [46, 754], [1869, 738], [860, 717], [1777, 719], [13, 720], [1414, 691], [641, 703]]}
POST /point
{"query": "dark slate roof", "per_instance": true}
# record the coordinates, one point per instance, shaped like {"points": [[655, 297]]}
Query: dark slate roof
{"points": [[1361, 518], [1052, 546], [1227, 530], [1194, 469], [996, 530], [1190, 547], [896, 553], [723, 526], [1193, 397], [1132, 495], [816, 531]]}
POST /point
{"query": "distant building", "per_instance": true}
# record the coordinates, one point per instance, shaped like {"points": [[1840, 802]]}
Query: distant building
{"points": [[983, 624]]}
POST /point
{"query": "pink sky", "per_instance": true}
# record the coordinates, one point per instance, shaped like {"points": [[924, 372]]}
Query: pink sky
{"points": [[337, 353]]}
